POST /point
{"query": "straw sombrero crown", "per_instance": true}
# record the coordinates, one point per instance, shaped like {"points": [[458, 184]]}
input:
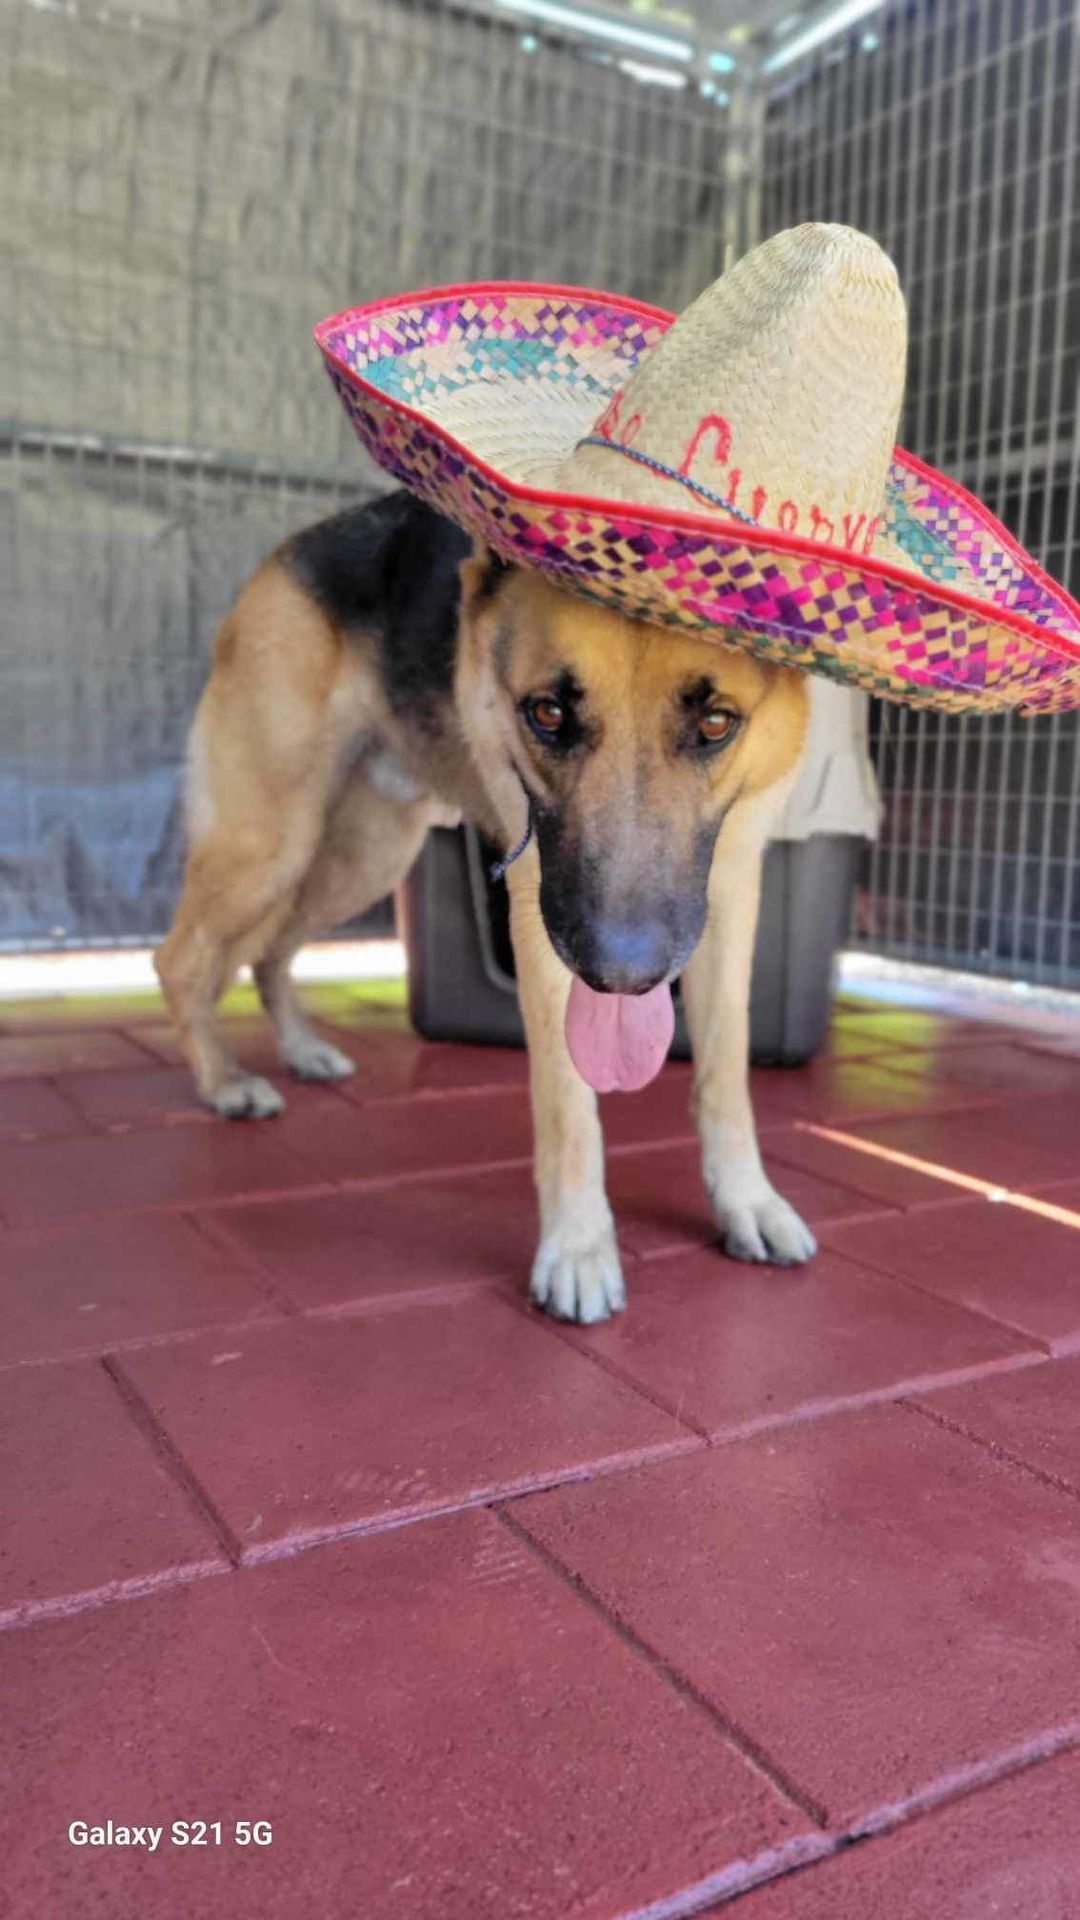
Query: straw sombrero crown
{"points": [[732, 471]]}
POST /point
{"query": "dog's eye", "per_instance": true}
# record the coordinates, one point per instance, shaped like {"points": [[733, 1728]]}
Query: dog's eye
{"points": [[716, 725], [546, 714]]}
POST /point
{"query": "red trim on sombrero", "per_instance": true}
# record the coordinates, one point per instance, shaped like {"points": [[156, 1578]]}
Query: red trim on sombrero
{"points": [[765, 538], [470, 287]]}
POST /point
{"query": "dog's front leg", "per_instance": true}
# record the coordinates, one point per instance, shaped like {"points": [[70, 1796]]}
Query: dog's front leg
{"points": [[576, 1274], [756, 1222]]}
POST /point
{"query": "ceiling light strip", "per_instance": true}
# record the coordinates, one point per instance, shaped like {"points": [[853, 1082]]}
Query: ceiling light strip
{"points": [[825, 27], [599, 26]]}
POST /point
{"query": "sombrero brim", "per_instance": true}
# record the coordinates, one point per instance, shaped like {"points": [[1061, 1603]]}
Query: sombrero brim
{"points": [[975, 625]]}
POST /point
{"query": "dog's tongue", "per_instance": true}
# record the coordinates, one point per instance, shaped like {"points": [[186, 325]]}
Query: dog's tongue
{"points": [[619, 1041]]}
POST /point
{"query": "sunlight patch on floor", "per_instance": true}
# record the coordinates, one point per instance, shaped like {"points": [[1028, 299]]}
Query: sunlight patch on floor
{"points": [[950, 1176]]}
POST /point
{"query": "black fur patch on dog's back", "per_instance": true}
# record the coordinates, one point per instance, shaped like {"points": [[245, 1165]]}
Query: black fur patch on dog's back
{"points": [[351, 563], [391, 569]]}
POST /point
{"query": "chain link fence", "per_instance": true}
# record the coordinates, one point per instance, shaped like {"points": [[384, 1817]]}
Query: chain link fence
{"points": [[950, 129], [187, 188]]}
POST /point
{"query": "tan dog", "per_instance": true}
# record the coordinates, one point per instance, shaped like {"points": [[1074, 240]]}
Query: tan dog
{"points": [[374, 680]]}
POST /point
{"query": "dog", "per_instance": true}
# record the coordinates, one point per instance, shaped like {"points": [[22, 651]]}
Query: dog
{"points": [[379, 675]]}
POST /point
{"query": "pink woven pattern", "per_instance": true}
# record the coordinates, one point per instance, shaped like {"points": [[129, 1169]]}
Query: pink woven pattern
{"points": [[822, 610], [573, 323], [972, 541]]}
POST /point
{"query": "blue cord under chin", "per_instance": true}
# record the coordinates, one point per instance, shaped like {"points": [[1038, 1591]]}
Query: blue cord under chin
{"points": [[499, 869]]}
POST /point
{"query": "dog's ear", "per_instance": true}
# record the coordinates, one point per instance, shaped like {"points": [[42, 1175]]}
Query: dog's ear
{"points": [[482, 575]]}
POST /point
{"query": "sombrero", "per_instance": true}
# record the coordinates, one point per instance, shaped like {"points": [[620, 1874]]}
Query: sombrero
{"points": [[731, 471]]}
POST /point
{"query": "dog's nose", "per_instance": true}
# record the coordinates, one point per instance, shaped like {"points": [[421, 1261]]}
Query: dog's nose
{"points": [[626, 956]]}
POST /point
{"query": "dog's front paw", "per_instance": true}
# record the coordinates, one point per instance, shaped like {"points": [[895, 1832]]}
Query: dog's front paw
{"points": [[578, 1283], [765, 1229], [246, 1096], [315, 1059]]}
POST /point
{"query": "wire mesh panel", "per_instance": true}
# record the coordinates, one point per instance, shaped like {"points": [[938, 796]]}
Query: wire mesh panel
{"points": [[950, 131], [186, 194]]}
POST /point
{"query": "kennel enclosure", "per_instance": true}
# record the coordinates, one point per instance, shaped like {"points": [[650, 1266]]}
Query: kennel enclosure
{"points": [[188, 189]]}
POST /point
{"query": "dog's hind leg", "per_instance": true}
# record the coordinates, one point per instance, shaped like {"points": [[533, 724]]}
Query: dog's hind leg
{"points": [[238, 888], [756, 1222], [368, 846], [220, 909], [263, 757], [576, 1274]]}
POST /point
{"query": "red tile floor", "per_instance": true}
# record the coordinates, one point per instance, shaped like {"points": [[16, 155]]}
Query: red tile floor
{"points": [[312, 1522]]}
